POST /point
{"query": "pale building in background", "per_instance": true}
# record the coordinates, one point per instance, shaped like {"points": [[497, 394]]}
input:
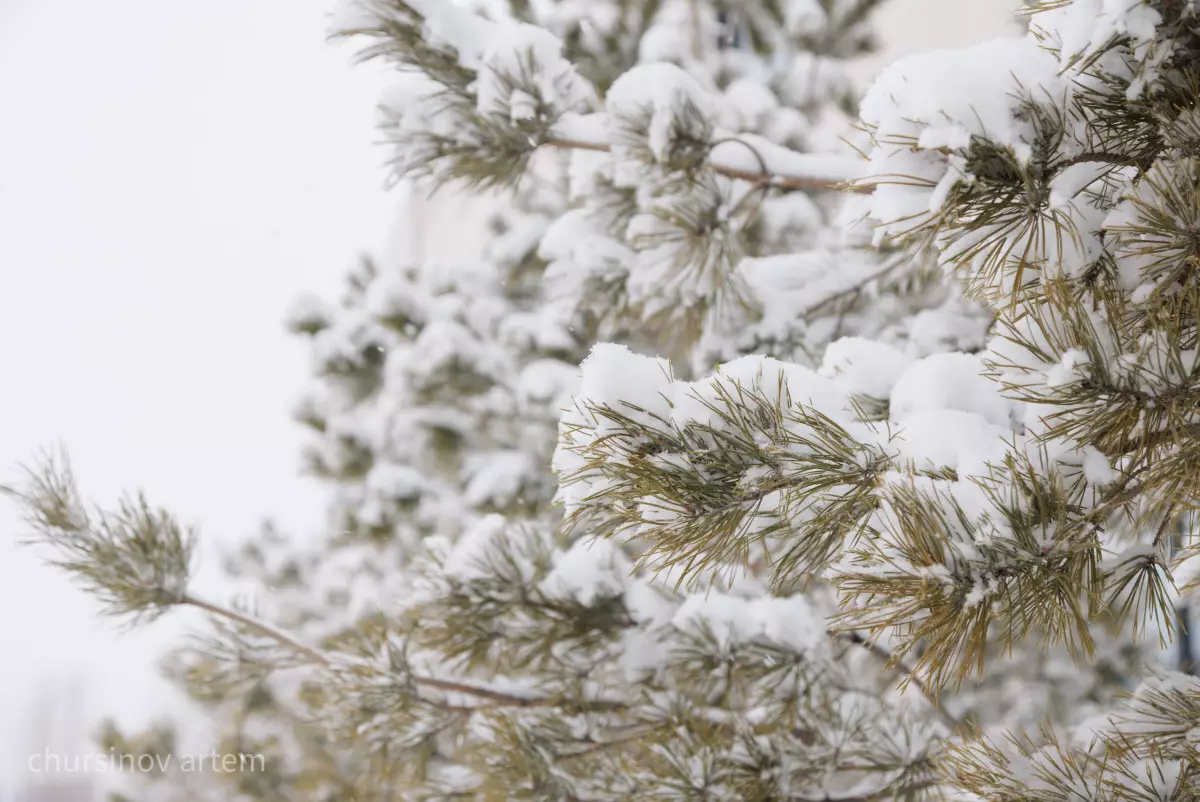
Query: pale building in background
{"points": [[914, 26]]}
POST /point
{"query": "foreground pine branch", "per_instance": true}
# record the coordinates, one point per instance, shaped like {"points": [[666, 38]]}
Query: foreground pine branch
{"points": [[381, 675]]}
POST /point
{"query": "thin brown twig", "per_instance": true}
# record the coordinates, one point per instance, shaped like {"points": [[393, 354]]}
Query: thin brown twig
{"points": [[599, 746], [856, 288], [1115, 159], [909, 675], [262, 627], [772, 180], [315, 655]]}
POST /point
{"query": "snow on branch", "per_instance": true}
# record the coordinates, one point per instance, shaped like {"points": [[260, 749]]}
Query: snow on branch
{"points": [[742, 157], [489, 94]]}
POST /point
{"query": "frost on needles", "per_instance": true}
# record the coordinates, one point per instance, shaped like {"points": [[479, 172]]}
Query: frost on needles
{"points": [[917, 536]]}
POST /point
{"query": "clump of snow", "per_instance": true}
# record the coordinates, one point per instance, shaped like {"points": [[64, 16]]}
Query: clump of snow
{"points": [[1097, 468], [517, 50], [1075, 179], [450, 24], [495, 478], [663, 92], [864, 367], [590, 571], [805, 16], [665, 43], [943, 98], [747, 103], [1168, 682], [1068, 368], [547, 382], [790, 622], [783, 383], [1083, 28], [612, 375], [308, 313], [469, 558], [954, 327], [396, 482], [949, 438], [950, 381], [796, 284], [926, 103]]}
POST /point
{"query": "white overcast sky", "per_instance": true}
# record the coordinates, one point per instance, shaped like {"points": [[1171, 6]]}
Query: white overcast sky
{"points": [[170, 177]]}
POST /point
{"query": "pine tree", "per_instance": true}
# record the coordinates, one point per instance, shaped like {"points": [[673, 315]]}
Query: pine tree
{"points": [[438, 387], [911, 538]]}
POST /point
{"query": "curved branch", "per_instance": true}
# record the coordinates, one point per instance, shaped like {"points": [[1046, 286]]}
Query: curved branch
{"points": [[1115, 159], [496, 698], [762, 178], [313, 654]]}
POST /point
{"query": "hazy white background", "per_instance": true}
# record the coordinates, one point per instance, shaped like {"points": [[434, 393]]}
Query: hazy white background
{"points": [[171, 175]]}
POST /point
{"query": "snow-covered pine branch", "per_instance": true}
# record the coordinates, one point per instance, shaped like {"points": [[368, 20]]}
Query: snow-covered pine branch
{"points": [[490, 93], [1055, 174], [684, 172]]}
